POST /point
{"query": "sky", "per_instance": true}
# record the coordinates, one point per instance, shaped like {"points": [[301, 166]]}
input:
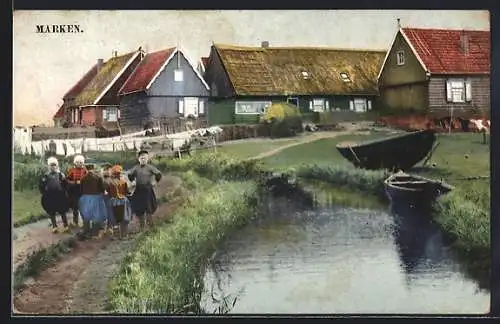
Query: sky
{"points": [[45, 66]]}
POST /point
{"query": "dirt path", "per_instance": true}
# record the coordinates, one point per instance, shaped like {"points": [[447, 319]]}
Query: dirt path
{"points": [[306, 139], [53, 290]]}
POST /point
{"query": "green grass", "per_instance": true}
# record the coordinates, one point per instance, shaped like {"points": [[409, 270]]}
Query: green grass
{"points": [[164, 274], [320, 152], [26, 207]]}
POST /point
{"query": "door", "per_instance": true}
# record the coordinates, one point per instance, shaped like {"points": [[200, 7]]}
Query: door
{"points": [[190, 106]]}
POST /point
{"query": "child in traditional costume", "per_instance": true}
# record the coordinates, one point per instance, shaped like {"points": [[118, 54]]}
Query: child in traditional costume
{"points": [[74, 177], [144, 198], [92, 206], [106, 176], [54, 199], [118, 192]]}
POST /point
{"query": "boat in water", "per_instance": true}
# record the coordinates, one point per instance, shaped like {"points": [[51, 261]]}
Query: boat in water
{"points": [[397, 152], [413, 190]]}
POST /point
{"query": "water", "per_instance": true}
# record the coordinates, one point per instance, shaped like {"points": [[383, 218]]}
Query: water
{"points": [[341, 260]]}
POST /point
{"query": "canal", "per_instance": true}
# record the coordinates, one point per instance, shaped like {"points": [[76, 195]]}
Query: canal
{"points": [[333, 259]]}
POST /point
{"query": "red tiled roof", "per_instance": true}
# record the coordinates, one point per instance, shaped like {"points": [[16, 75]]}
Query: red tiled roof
{"points": [[145, 71], [59, 113], [440, 50], [80, 85]]}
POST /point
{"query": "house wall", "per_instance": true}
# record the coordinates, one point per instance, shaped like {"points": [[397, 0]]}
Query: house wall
{"points": [[394, 74], [165, 85], [480, 90], [134, 111], [406, 98], [111, 96], [216, 77], [222, 111], [88, 116]]}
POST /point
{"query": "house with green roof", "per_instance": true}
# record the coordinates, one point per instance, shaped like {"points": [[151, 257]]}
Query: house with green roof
{"points": [[93, 100], [244, 81]]}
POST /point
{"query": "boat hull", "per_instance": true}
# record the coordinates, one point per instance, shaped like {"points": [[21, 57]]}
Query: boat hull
{"points": [[400, 152]]}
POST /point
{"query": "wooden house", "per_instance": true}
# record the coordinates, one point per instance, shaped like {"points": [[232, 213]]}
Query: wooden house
{"points": [[439, 72], [165, 85], [59, 118], [94, 101], [244, 81]]}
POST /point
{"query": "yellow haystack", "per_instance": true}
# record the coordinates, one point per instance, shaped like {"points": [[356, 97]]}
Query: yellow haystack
{"points": [[279, 111]]}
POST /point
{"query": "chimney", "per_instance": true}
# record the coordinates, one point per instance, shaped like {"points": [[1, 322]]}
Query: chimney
{"points": [[115, 53], [464, 43], [399, 23], [264, 44], [100, 62]]}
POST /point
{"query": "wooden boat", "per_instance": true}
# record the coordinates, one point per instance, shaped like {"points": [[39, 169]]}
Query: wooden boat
{"points": [[406, 189], [398, 152]]}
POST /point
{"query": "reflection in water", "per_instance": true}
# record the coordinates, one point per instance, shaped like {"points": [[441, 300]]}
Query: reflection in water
{"points": [[340, 260]]}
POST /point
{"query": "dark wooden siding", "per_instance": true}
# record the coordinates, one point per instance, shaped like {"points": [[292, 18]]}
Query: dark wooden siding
{"points": [[216, 77], [165, 85], [111, 96], [394, 74], [133, 112], [220, 112], [480, 104], [169, 106]]}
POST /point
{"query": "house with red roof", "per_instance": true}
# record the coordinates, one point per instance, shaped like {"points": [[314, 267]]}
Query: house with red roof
{"points": [[164, 85], [93, 100], [439, 72]]}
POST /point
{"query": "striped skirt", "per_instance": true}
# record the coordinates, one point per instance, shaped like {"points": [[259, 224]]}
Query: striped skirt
{"points": [[93, 208], [122, 211]]}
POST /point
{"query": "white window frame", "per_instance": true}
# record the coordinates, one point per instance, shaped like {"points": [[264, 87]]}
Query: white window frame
{"points": [[354, 103], [110, 111], [193, 99], [180, 107], [318, 102], [201, 107], [178, 75], [458, 90], [248, 104], [400, 57]]}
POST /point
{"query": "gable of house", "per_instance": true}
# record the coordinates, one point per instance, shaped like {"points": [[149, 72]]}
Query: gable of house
{"points": [[59, 113], [81, 84], [271, 71], [108, 73]]}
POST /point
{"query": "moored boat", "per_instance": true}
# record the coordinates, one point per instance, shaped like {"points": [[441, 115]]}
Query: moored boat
{"points": [[413, 190], [398, 152]]}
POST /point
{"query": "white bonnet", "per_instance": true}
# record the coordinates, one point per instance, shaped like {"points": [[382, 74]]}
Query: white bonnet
{"points": [[52, 160], [79, 158]]}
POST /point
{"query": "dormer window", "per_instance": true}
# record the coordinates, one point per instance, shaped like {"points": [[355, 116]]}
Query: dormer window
{"points": [[400, 58], [345, 77], [305, 75]]}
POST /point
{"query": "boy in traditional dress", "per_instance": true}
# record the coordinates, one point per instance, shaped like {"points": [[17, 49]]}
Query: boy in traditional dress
{"points": [[144, 198], [54, 199], [74, 177], [92, 206], [118, 192]]}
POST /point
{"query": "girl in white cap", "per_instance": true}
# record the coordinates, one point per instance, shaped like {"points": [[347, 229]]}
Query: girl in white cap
{"points": [[54, 199], [74, 177]]}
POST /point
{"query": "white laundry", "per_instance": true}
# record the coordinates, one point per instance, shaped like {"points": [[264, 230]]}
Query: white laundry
{"points": [[70, 148], [91, 145], [59, 147], [129, 144], [37, 148]]}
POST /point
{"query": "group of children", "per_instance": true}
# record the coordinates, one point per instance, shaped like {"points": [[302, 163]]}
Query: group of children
{"points": [[102, 199]]}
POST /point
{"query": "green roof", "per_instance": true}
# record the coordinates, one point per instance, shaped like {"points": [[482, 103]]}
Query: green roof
{"points": [[108, 71]]}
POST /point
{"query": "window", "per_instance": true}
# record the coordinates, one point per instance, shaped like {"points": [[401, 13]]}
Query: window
{"points": [[178, 75], [110, 114], [251, 107], [293, 101], [190, 106], [180, 107], [305, 75], [359, 105], [201, 107], [458, 90], [345, 77], [400, 57], [317, 105]]}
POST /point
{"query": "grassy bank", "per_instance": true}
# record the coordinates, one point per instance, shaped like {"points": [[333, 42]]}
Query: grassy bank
{"points": [[164, 274], [27, 207]]}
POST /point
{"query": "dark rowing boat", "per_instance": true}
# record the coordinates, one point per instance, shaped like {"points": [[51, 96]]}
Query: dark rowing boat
{"points": [[406, 189], [398, 152]]}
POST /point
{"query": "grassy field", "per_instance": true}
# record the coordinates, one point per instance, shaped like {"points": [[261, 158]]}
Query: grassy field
{"points": [[249, 149], [26, 207]]}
